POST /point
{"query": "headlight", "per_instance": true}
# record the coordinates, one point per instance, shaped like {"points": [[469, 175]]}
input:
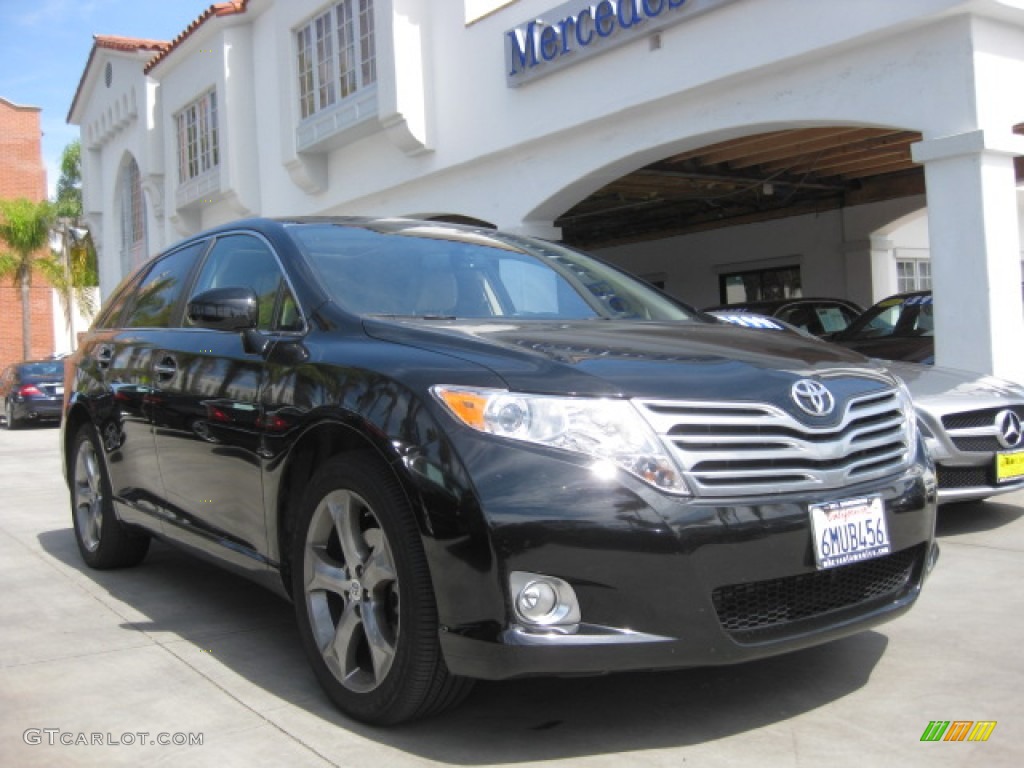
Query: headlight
{"points": [[608, 430], [909, 412]]}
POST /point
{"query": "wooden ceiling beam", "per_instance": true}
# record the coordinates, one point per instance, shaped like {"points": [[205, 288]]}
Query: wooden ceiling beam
{"points": [[893, 144], [856, 167], [730, 152], [735, 179], [866, 140]]}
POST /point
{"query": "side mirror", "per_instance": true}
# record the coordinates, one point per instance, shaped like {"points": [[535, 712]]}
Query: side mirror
{"points": [[225, 309]]}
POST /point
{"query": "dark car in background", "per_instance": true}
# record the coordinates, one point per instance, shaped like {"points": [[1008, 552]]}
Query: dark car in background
{"points": [[467, 454], [900, 327], [32, 391], [817, 316]]}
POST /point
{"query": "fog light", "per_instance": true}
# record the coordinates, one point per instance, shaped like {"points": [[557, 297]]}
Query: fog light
{"points": [[543, 601]]}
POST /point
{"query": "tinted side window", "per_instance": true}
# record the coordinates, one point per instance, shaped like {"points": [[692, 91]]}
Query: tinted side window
{"points": [[291, 316], [243, 261], [158, 294], [114, 308]]}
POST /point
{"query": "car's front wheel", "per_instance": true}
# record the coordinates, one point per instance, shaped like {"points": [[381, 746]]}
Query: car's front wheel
{"points": [[103, 540], [363, 598]]}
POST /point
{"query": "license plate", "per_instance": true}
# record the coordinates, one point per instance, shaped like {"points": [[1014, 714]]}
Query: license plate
{"points": [[849, 531], [1009, 466], [58, 391]]}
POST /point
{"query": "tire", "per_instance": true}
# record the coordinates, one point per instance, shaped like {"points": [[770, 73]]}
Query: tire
{"points": [[103, 541], [9, 421], [363, 600]]}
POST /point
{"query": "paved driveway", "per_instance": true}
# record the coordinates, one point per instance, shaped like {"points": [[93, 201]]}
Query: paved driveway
{"points": [[118, 662]]}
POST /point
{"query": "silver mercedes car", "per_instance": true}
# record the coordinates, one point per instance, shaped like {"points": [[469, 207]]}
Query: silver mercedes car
{"points": [[972, 427], [971, 423]]}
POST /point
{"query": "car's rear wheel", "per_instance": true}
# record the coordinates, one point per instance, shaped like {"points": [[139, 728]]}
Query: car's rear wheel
{"points": [[363, 598], [9, 421], [103, 540]]}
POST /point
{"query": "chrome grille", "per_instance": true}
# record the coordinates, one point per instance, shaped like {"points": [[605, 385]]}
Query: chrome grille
{"points": [[742, 449], [976, 431], [984, 419]]}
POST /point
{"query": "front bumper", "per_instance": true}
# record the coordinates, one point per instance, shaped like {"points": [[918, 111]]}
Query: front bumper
{"points": [[965, 465], [672, 583], [958, 482]]}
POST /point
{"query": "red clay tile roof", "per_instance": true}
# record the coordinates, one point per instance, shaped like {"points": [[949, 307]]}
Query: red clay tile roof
{"points": [[115, 43], [219, 9], [118, 43], [160, 47]]}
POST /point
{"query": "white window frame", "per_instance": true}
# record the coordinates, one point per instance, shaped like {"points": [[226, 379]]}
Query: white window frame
{"points": [[198, 138], [335, 56], [133, 216], [913, 270]]}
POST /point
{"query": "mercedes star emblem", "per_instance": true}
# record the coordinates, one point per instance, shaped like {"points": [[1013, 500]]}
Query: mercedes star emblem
{"points": [[1008, 429]]}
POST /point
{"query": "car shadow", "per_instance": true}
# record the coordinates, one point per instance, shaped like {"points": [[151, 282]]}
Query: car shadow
{"points": [[26, 426], [975, 517], [251, 632]]}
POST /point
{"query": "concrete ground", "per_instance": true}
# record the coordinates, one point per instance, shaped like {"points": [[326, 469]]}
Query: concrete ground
{"points": [[177, 648]]}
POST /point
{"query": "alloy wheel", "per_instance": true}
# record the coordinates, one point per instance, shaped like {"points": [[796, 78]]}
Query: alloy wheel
{"points": [[88, 496], [351, 591]]}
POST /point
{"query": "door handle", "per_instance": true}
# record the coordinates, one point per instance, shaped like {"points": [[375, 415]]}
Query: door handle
{"points": [[166, 368]]}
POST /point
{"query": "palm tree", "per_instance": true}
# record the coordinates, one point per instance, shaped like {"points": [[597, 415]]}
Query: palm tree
{"points": [[25, 229], [72, 271]]}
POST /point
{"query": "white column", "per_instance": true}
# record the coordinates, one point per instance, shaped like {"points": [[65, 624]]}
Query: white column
{"points": [[975, 250], [870, 270], [883, 268]]}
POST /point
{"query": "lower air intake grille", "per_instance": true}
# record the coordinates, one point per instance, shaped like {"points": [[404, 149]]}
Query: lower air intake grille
{"points": [[978, 444], [964, 477], [757, 610]]}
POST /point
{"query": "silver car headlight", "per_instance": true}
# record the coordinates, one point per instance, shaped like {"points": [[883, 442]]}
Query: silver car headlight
{"points": [[909, 413], [610, 431]]}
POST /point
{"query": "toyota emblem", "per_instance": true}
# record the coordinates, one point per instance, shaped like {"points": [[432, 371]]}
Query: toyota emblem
{"points": [[813, 397], [1008, 429]]}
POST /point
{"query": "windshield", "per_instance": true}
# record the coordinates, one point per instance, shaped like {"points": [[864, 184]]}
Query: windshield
{"points": [[439, 271], [899, 316], [42, 370]]}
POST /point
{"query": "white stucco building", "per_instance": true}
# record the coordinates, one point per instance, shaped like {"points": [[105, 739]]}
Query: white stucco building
{"points": [[691, 141]]}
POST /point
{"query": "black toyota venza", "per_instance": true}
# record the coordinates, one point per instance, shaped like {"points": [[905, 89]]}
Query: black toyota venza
{"points": [[466, 454]]}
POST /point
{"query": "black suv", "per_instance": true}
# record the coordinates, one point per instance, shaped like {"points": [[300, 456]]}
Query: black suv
{"points": [[465, 454]]}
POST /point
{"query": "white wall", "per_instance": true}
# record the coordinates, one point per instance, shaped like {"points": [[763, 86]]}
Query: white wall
{"points": [[65, 335], [692, 263], [113, 120], [451, 137]]}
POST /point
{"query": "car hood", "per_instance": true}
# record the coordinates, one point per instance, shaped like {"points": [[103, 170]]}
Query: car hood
{"points": [[950, 389], [914, 350], [628, 358]]}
